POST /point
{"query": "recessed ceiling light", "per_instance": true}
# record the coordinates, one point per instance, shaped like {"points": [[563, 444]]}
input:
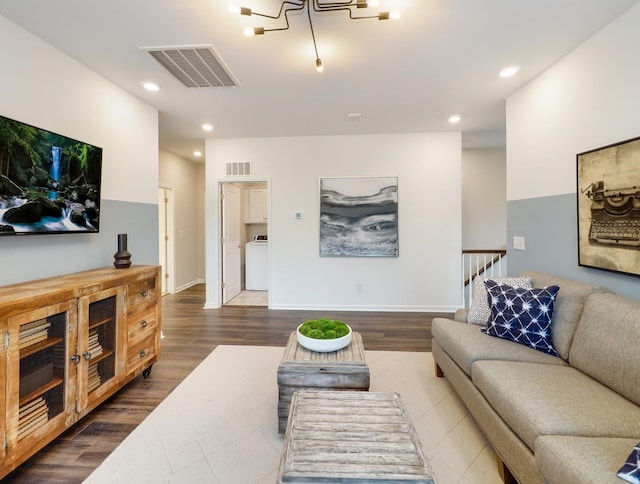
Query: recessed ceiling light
{"points": [[197, 153], [509, 71], [454, 119], [151, 86], [207, 127], [354, 116]]}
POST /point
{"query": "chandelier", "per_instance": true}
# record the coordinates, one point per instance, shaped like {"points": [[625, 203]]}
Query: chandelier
{"points": [[319, 6]]}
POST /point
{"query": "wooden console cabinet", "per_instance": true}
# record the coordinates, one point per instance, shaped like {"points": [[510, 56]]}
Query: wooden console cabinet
{"points": [[70, 342]]}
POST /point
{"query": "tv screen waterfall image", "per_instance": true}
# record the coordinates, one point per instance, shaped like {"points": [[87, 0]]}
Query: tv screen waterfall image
{"points": [[359, 216], [49, 183]]}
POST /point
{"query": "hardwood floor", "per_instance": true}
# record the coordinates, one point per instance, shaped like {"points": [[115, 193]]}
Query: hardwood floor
{"points": [[191, 333]]}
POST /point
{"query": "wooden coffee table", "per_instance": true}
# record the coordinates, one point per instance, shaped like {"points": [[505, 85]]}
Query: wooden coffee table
{"points": [[302, 369], [351, 437]]}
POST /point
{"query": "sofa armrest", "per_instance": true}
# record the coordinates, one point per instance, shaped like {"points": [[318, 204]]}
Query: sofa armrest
{"points": [[461, 315]]}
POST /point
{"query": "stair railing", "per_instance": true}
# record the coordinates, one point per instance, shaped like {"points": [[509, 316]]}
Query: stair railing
{"points": [[480, 262]]}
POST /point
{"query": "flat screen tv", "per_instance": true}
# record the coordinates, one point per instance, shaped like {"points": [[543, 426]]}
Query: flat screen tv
{"points": [[49, 183]]}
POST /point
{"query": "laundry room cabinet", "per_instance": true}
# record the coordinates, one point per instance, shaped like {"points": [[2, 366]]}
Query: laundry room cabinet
{"points": [[255, 206], [66, 349]]}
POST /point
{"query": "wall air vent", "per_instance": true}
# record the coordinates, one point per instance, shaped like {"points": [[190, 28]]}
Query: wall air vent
{"points": [[193, 66], [242, 168]]}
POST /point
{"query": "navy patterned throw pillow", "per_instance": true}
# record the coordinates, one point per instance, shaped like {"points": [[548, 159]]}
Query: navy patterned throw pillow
{"points": [[630, 471], [522, 315]]}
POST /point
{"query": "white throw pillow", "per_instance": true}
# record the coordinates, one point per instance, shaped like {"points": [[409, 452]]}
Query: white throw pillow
{"points": [[479, 311]]}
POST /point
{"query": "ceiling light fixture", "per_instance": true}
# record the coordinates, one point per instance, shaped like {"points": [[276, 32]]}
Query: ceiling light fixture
{"points": [[454, 119], [509, 71], [319, 6], [207, 127], [197, 153], [151, 86]]}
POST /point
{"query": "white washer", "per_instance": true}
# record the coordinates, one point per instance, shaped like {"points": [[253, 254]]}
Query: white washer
{"points": [[257, 265]]}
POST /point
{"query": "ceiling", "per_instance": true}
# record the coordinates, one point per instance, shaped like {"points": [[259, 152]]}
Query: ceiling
{"points": [[442, 57]]}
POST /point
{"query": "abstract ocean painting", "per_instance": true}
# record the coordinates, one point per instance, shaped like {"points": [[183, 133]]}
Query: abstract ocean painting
{"points": [[359, 216]]}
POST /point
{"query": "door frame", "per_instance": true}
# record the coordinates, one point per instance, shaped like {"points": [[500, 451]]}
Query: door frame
{"points": [[219, 228], [170, 282]]}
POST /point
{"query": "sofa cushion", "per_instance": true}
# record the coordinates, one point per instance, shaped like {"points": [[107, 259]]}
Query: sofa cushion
{"points": [[480, 312], [589, 460], [465, 344], [535, 399], [522, 315], [568, 307], [606, 342]]}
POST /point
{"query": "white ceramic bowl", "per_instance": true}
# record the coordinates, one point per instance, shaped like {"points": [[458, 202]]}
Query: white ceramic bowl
{"points": [[324, 345]]}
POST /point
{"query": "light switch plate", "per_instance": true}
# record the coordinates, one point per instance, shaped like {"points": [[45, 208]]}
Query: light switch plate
{"points": [[518, 243]]}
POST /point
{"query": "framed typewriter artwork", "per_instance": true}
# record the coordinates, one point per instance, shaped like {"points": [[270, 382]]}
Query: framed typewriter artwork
{"points": [[608, 193]]}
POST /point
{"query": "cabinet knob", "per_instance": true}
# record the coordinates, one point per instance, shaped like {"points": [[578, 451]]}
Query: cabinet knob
{"points": [[143, 354], [143, 323], [75, 359], [143, 293], [87, 355]]}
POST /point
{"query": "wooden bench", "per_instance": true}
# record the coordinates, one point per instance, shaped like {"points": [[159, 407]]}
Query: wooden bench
{"points": [[345, 437]]}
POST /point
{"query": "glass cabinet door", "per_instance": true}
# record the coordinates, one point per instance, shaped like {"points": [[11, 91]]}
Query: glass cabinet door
{"points": [[39, 372], [99, 345]]}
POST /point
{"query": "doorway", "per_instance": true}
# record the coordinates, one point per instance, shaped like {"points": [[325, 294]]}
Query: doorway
{"points": [[244, 219], [166, 201]]}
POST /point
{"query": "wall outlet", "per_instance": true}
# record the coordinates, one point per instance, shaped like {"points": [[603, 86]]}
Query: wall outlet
{"points": [[518, 243], [298, 215], [359, 287]]}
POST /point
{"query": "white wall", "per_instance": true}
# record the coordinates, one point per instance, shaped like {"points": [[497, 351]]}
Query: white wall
{"points": [[45, 88], [185, 177], [484, 202], [426, 275], [587, 100]]}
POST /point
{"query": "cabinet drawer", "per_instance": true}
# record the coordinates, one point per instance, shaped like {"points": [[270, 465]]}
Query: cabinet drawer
{"points": [[142, 324], [140, 292], [139, 353]]}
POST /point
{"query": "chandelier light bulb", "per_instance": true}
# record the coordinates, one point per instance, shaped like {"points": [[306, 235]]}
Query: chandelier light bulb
{"points": [[395, 15], [319, 66], [234, 9], [248, 32]]}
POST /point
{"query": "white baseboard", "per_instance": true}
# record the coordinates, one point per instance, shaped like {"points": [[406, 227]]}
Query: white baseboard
{"points": [[189, 284], [405, 309]]}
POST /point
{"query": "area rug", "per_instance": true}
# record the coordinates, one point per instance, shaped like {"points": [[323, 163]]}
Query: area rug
{"points": [[220, 424]]}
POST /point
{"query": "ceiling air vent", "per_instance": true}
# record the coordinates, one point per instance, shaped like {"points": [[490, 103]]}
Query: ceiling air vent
{"points": [[197, 66], [242, 168]]}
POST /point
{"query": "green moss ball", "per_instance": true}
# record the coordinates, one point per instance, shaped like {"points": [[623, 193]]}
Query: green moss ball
{"points": [[324, 328]]}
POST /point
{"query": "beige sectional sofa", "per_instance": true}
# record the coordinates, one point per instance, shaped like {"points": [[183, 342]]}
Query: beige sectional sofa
{"points": [[568, 419]]}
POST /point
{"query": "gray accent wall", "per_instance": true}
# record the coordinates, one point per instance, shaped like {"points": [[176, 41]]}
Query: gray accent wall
{"points": [[549, 226], [25, 258]]}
